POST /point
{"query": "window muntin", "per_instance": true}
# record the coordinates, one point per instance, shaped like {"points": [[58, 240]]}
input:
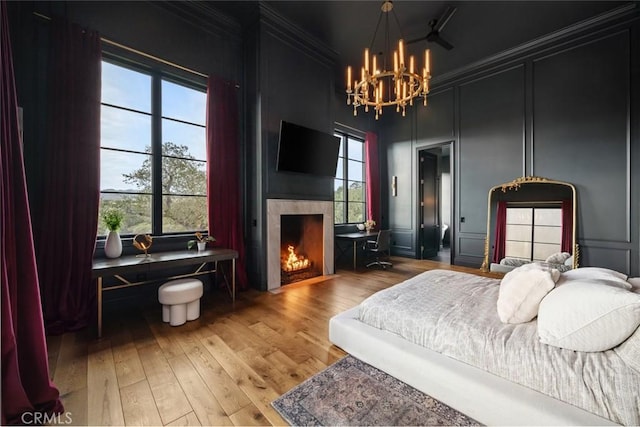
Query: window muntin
{"points": [[533, 233], [350, 183], [129, 144]]}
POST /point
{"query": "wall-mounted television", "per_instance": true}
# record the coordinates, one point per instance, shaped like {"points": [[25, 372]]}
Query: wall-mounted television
{"points": [[308, 151]]}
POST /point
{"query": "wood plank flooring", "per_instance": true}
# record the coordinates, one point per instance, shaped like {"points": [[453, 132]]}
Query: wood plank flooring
{"points": [[224, 368]]}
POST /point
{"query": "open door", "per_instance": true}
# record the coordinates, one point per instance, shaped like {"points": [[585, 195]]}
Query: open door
{"points": [[430, 239]]}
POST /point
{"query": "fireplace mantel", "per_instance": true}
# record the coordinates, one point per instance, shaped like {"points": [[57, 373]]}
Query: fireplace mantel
{"points": [[278, 207]]}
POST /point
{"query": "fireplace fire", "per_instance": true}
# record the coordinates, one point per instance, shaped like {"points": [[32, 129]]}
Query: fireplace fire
{"points": [[300, 247], [292, 262]]}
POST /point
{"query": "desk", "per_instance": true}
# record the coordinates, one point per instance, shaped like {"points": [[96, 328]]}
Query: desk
{"points": [[129, 264], [357, 237]]}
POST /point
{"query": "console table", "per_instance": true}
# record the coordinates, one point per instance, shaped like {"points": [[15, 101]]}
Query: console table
{"points": [[136, 264]]}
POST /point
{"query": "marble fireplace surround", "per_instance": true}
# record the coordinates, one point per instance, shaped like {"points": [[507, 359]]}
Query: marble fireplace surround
{"points": [[278, 207]]}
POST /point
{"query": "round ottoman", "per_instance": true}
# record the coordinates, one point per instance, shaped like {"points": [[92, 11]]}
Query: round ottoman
{"points": [[180, 300]]}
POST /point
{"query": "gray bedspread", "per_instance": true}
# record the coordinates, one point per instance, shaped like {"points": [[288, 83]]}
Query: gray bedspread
{"points": [[455, 314]]}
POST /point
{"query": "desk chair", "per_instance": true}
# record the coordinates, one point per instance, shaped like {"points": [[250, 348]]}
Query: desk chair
{"points": [[380, 248]]}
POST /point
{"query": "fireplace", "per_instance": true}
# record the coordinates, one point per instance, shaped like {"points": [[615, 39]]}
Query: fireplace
{"points": [[300, 247], [299, 232]]}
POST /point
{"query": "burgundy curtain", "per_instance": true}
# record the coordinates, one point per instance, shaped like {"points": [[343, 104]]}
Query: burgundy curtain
{"points": [[373, 177], [567, 226], [26, 387], [67, 228], [223, 171], [501, 230]]}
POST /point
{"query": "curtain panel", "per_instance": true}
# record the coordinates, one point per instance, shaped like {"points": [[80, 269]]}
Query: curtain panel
{"points": [[373, 177], [567, 227], [26, 387], [501, 231], [66, 230], [224, 202]]}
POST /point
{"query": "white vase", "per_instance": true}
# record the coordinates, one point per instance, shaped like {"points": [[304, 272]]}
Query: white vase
{"points": [[113, 245], [202, 246]]}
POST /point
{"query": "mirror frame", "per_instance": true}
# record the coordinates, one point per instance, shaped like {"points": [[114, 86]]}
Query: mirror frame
{"points": [[515, 185]]}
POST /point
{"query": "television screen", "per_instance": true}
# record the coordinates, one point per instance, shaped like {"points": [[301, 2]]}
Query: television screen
{"points": [[305, 150]]}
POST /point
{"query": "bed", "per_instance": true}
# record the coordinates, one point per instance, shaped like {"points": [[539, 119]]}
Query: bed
{"points": [[440, 332]]}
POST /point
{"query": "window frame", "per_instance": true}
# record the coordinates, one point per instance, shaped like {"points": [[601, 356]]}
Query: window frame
{"points": [[158, 73], [532, 239], [345, 136]]}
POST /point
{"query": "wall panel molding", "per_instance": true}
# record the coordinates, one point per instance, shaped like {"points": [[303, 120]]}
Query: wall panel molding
{"points": [[551, 40]]}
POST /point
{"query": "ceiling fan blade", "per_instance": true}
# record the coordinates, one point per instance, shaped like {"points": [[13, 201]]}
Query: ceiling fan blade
{"points": [[444, 19], [442, 42], [419, 39]]}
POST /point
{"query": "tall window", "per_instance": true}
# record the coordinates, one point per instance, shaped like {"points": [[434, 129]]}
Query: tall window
{"points": [[533, 233], [349, 184], [153, 151]]}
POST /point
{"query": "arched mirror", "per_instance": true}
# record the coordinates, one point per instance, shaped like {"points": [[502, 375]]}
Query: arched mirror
{"points": [[531, 219]]}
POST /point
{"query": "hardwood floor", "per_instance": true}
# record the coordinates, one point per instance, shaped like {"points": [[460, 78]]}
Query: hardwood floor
{"points": [[224, 368]]}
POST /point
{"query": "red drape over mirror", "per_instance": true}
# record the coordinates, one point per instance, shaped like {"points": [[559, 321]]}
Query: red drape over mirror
{"points": [[567, 226], [501, 231]]}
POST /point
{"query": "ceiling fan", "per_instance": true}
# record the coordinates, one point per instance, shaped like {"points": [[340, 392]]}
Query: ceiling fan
{"points": [[437, 25]]}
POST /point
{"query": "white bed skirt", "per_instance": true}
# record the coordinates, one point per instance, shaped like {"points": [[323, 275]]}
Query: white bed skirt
{"points": [[488, 399]]}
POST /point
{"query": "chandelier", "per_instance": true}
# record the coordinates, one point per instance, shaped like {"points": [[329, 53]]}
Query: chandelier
{"points": [[384, 87]]}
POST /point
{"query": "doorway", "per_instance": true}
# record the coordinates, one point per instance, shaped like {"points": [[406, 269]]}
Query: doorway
{"points": [[435, 203]]}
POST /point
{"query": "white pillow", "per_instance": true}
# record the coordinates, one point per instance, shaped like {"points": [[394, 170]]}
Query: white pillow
{"points": [[584, 315], [635, 284], [558, 257], [569, 261], [629, 351], [606, 276], [517, 262], [591, 272], [521, 291]]}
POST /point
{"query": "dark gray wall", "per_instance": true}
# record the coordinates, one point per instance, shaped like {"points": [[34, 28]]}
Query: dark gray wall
{"points": [[564, 107], [283, 65]]}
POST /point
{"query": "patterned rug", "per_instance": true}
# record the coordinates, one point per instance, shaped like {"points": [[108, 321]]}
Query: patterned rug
{"points": [[350, 392]]}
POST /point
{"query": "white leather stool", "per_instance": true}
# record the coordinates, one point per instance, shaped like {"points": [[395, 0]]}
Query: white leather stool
{"points": [[180, 300]]}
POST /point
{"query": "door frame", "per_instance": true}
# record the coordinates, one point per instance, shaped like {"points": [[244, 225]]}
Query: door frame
{"points": [[449, 146]]}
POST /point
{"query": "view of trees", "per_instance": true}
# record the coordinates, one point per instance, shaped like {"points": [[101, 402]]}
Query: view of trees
{"points": [[356, 207], [184, 203]]}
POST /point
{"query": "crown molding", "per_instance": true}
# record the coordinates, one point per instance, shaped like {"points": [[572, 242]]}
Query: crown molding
{"points": [[295, 35], [629, 10], [203, 15]]}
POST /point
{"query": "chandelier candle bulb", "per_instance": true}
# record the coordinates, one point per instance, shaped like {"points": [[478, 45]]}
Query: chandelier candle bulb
{"points": [[427, 60], [366, 60], [349, 79], [401, 52]]}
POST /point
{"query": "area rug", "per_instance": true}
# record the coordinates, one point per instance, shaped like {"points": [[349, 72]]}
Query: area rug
{"points": [[351, 392]]}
